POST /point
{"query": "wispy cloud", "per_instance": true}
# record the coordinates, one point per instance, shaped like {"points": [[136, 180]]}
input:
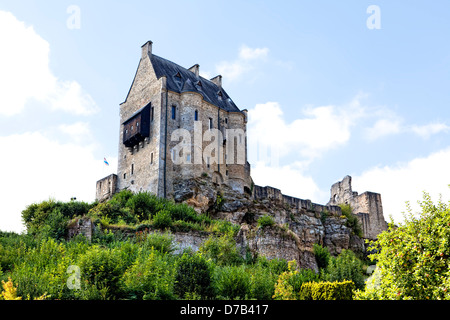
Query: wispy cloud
{"points": [[246, 61]]}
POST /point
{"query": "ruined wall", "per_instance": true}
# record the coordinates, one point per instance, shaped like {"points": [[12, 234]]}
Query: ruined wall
{"points": [[106, 188], [366, 206]]}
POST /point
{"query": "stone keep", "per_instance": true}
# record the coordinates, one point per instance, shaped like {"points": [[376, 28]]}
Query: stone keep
{"points": [[366, 206], [165, 97]]}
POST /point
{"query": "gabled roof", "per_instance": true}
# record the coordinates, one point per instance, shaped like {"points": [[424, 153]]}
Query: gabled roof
{"points": [[180, 80]]}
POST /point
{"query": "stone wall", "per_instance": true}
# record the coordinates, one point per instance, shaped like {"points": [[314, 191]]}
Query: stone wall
{"points": [[366, 206], [106, 188]]}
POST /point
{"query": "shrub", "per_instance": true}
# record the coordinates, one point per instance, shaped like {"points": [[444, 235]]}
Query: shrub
{"points": [[193, 276], [262, 282], [9, 291], [161, 242], [149, 278], [322, 255], [327, 290], [352, 220], [289, 282], [162, 220], [101, 269], [222, 250], [266, 221], [346, 267], [231, 282]]}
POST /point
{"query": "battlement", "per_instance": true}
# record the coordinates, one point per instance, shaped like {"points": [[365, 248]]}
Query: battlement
{"points": [[261, 193]]}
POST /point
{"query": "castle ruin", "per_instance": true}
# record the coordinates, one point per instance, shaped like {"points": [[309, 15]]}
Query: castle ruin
{"points": [[175, 125]]}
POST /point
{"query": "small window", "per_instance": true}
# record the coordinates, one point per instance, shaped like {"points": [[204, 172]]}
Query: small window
{"points": [[207, 162], [210, 123], [174, 112], [196, 115], [124, 175], [151, 158], [137, 125], [152, 113], [226, 172], [226, 120], [132, 128], [188, 158], [132, 168]]}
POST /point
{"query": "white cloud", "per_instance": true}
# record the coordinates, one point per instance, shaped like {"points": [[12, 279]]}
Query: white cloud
{"points": [[25, 74], [426, 131], [318, 130], [38, 168], [406, 182], [291, 179], [246, 53], [382, 128], [248, 57], [78, 131]]}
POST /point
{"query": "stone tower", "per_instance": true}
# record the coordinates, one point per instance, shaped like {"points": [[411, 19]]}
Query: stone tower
{"points": [[176, 125], [366, 206]]}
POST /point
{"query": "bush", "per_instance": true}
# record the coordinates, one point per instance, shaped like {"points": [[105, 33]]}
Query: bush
{"points": [[289, 282], [149, 278], [193, 276], [161, 242], [262, 282], [266, 221], [322, 255], [231, 282], [222, 250], [352, 220], [346, 267], [162, 220], [101, 269], [327, 290]]}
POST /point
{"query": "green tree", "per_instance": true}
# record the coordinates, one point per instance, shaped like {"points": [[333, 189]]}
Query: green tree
{"points": [[193, 276], [413, 258]]}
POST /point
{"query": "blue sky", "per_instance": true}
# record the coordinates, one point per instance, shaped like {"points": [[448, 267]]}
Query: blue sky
{"points": [[341, 98]]}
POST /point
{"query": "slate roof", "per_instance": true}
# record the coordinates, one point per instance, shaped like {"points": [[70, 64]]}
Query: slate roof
{"points": [[180, 80]]}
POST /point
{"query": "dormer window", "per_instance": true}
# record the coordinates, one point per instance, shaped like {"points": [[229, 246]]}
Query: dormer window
{"points": [[199, 83], [178, 75]]}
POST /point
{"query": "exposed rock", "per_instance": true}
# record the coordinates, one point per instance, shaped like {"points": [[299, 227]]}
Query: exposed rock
{"points": [[299, 224]]}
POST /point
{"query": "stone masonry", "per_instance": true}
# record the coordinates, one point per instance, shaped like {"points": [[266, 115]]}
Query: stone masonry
{"points": [[366, 206], [172, 113]]}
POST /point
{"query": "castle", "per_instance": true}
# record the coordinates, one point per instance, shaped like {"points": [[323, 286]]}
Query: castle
{"points": [[175, 125]]}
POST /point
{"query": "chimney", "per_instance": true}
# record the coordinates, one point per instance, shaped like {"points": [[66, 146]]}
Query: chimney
{"points": [[217, 80], [195, 69], [146, 49]]}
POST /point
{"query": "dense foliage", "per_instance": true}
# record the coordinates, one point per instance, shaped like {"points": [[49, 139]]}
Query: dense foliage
{"points": [[132, 255], [413, 258]]}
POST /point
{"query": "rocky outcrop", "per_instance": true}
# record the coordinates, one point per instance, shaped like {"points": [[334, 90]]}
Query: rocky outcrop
{"points": [[299, 224]]}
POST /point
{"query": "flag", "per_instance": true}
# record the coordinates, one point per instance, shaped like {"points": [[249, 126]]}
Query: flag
{"points": [[106, 162]]}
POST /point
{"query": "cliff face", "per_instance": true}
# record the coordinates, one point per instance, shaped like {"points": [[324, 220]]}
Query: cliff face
{"points": [[299, 224]]}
